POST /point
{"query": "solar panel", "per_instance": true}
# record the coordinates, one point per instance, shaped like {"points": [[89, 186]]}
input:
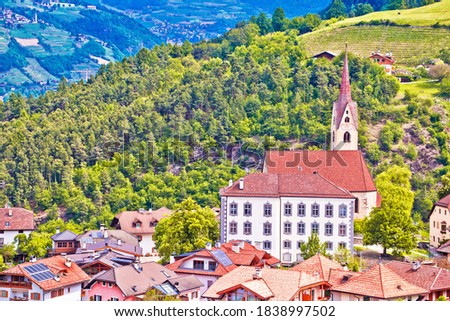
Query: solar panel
{"points": [[39, 272], [222, 257]]}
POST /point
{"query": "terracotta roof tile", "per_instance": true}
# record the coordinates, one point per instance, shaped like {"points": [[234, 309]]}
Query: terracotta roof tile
{"points": [[346, 169], [64, 236], [125, 220], [444, 202], [67, 275], [444, 248], [20, 219], [318, 265], [275, 185], [283, 284], [380, 282], [339, 276], [248, 254]]}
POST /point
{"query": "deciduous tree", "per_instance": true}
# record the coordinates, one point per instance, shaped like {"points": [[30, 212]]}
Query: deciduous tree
{"points": [[312, 247]]}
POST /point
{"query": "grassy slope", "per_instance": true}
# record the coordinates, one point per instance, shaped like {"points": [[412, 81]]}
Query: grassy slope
{"points": [[408, 44]]}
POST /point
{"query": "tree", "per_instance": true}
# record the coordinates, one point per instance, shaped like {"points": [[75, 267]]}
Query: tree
{"points": [[312, 247], [440, 72], [391, 225], [445, 87], [279, 21], [189, 228], [8, 251], [155, 295], [336, 9]]}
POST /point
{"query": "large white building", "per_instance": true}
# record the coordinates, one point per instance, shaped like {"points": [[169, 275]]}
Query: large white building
{"points": [[303, 192]]}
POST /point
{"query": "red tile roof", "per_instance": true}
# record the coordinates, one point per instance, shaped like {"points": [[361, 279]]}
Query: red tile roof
{"points": [[346, 169], [67, 275], [428, 277], [380, 282], [318, 265], [15, 218], [444, 248], [273, 285], [444, 202], [276, 185], [125, 220], [340, 276], [248, 255], [219, 271]]}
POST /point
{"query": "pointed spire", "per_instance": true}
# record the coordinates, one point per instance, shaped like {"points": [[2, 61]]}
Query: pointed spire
{"points": [[345, 95]]}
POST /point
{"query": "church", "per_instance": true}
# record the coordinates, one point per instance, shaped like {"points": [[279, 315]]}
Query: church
{"points": [[301, 192]]}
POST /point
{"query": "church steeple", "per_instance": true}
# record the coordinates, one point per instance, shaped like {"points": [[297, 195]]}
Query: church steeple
{"points": [[344, 124]]}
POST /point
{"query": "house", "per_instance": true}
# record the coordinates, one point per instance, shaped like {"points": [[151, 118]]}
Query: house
{"points": [[95, 262], [247, 283], [318, 265], [325, 54], [63, 242], [243, 253], [131, 282], [54, 278], [14, 221], [445, 249], [433, 279], [282, 210], [207, 265], [387, 61], [142, 225], [439, 219], [379, 283]]}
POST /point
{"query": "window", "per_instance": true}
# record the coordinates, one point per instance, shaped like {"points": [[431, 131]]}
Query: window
{"points": [[267, 210], [287, 244], [346, 137], [137, 224], [342, 230], [301, 228], [247, 209], [287, 228], [20, 231], [301, 210], [139, 237], [210, 282], [288, 209], [328, 229], [315, 228], [342, 245], [329, 246], [328, 210], [347, 119], [443, 227], [357, 205], [194, 295], [103, 283], [315, 210], [35, 296], [199, 265], [6, 223], [299, 244], [114, 298], [267, 228], [97, 297], [110, 285], [212, 266], [233, 209], [342, 210], [60, 292], [299, 257], [267, 245], [287, 257], [3, 293], [233, 227], [247, 228]]}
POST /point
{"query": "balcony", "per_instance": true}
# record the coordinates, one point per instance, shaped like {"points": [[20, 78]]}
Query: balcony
{"points": [[18, 299], [16, 285]]}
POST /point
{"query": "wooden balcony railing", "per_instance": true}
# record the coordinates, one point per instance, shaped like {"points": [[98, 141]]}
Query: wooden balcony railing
{"points": [[18, 285]]}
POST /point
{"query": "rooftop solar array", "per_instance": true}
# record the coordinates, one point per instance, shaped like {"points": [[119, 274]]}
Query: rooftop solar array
{"points": [[40, 272], [222, 257]]}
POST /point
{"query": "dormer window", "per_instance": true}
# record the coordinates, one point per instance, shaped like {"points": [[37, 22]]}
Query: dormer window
{"points": [[137, 224], [7, 224], [346, 137]]}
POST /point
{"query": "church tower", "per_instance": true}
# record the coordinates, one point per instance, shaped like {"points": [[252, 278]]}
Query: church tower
{"points": [[344, 121]]}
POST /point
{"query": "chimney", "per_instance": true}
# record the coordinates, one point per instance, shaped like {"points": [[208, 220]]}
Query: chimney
{"points": [[68, 262], [230, 183], [258, 245], [141, 210], [172, 257], [57, 230], [241, 183], [241, 244], [83, 245], [105, 234], [150, 210], [235, 247], [415, 265], [102, 228], [10, 212], [218, 244], [119, 242], [258, 273], [137, 266], [208, 246]]}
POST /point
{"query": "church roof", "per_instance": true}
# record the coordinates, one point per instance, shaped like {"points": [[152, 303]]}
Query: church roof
{"points": [[345, 97], [347, 168]]}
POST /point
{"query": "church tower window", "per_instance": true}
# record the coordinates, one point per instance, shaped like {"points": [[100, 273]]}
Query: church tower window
{"points": [[346, 137]]}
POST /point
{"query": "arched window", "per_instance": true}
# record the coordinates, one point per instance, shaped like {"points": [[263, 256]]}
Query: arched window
{"points": [[443, 227], [347, 137], [347, 119]]}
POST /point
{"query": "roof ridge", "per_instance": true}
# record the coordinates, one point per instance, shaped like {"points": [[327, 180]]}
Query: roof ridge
{"points": [[335, 185], [435, 279], [381, 280]]}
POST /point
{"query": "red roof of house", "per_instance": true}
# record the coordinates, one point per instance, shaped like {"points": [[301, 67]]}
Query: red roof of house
{"points": [[248, 254], [444, 248], [126, 219], [346, 169], [56, 264], [387, 59], [272, 285], [220, 270], [340, 276], [16, 218], [428, 277], [317, 265], [380, 282], [276, 185], [444, 202]]}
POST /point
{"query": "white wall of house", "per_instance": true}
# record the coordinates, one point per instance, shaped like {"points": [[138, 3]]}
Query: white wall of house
{"points": [[74, 294], [147, 243], [438, 234], [279, 237], [8, 236], [205, 279]]}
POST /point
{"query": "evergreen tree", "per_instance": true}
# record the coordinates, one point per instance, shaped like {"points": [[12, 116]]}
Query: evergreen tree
{"points": [[336, 9], [279, 21]]}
